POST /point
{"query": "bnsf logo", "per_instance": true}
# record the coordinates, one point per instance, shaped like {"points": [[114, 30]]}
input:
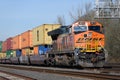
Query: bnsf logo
{"points": [[81, 40]]}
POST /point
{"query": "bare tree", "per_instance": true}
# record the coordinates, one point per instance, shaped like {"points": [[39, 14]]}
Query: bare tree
{"points": [[61, 20], [82, 13]]}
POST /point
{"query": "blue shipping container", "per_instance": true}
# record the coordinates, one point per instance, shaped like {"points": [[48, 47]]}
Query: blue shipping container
{"points": [[43, 49], [18, 53]]}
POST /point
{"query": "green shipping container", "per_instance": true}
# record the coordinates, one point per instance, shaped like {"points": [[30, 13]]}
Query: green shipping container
{"points": [[0, 46], [9, 53]]}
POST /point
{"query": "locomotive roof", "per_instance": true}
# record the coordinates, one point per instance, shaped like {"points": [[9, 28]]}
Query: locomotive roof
{"points": [[57, 31]]}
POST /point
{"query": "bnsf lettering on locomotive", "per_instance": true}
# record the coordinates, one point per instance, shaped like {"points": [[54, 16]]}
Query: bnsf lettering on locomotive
{"points": [[81, 40], [95, 39], [101, 39], [88, 39]]}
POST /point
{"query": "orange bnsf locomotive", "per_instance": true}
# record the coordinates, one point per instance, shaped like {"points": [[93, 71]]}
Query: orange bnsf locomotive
{"points": [[81, 44]]}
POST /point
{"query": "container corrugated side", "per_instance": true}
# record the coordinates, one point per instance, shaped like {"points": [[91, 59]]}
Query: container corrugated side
{"points": [[9, 43], [27, 51], [2, 55], [26, 39], [9, 53], [40, 36], [24, 52], [35, 50], [0, 46], [14, 53], [16, 42], [18, 53], [4, 46], [42, 49]]}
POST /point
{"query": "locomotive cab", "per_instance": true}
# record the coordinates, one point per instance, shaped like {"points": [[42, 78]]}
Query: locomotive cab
{"points": [[88, 26]]}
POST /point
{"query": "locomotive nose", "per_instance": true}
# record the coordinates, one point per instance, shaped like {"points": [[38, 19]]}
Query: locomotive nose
{"points": [[91, 41]]}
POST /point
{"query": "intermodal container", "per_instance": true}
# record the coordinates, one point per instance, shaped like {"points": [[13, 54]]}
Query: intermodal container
{"points": [[9, 53], [35, 50], [9, 43], [16, 42], [2, 55], [43, 49], [40, 36], [27, 51], [4, 46], [18, 53], [14, 53], [26, 39], [0, 46]]}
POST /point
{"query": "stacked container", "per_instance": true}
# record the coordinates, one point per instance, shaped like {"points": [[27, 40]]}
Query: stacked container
{"points": [[35, 50], [16, 42], [16, 45], [4, 46], [3, 49], [9, 51], [26, 43], [2, 55], [0, 46], [27, 51], [9, 43], [41, 40]]}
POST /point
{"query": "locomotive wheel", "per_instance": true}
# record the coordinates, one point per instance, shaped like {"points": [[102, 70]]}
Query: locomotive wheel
{"points": [[76, 53], [50, 62]]}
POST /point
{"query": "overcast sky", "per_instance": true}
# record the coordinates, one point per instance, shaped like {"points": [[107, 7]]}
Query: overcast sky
{"points": [[18, 16]]}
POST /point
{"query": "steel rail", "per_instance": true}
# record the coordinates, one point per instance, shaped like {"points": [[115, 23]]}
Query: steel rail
{"points": [[103, 76], [16, 75]]}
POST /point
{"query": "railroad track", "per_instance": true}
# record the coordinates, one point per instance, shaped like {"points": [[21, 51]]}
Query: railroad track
{"points": [[113, 65], [93, 75], [11, 76]]}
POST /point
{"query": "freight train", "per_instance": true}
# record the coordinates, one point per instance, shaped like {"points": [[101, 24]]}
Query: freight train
{"points": [[79, 44]]}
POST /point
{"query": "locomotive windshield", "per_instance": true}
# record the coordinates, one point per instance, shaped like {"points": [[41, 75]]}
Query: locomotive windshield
{"points": [[94, 28], [80, 28]]}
